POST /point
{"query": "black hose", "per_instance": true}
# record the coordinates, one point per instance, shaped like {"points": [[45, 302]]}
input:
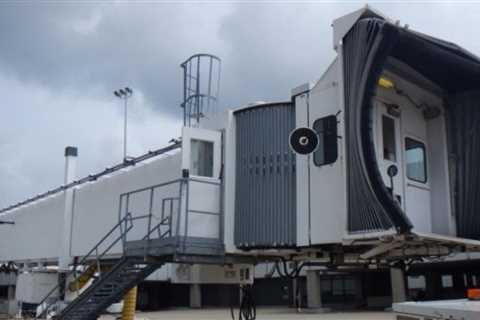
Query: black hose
{"points": [[248, 309], [291, 275]]}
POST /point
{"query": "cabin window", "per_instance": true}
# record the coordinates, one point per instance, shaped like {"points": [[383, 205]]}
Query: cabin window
{"points": [[388, 133], [416, 160], [416, 282], [201, 158], [447, 281], [327, 150]]}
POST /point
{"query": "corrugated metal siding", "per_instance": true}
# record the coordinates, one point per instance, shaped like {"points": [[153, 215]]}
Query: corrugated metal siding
{"points": [[265, 194], [371, 206], [464, 147]]}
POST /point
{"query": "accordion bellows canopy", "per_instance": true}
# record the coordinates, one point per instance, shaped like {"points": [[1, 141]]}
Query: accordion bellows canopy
{"points": [[366, 48]]}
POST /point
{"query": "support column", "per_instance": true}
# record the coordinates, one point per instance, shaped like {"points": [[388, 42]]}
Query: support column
{"points": [[399, 290], [12, 305], [314, 292], [359, 299], [195, 295], [295, 301], [64, 257], [70, 164], [433, 282], [458, 283]]}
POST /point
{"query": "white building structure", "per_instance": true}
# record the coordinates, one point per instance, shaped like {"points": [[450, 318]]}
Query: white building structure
{"points": [[394, 177]]}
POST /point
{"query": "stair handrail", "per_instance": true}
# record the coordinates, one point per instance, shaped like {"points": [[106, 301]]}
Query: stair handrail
{"points": [[124, 206], [157, 228], [127, 220]]}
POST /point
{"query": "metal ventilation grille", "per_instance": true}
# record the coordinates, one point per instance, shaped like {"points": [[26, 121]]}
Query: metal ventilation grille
{"points": [[265, 194]]}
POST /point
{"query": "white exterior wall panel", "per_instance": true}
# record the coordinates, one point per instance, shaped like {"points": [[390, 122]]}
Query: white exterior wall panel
{"points": [[327, 182], [204, 205], [302, 172], [39, 224], [230, 153], [96, 208], [37, 232]]}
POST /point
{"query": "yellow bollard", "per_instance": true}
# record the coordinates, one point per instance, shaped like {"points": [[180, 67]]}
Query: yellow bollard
{"points": [[129, 304], [82, 280]]}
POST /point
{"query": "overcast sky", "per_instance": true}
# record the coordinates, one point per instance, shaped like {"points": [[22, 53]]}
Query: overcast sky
{"points": [[60, 62]]}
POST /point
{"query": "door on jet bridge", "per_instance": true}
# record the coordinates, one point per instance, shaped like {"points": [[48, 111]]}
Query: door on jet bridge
{"points": [[389, 148], [401, 140], [417, 185]]}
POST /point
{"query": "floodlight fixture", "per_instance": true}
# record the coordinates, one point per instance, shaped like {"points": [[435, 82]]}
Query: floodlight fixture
{"points": [[124, 94]]}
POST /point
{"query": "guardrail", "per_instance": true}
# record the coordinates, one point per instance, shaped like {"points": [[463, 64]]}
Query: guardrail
{"points": [[170, 206], [175, 206], [93, 254]]}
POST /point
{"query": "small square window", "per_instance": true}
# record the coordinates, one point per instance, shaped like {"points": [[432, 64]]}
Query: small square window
{"points": [[416, 282], [416, 160], [201, 158], [447, 281]]}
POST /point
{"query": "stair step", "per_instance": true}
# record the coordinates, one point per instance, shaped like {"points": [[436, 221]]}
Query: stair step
{"points": [[101, 294], [106, 290]]}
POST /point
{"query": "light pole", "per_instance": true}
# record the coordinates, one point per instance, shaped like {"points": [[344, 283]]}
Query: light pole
{"points": [[124, 94]]}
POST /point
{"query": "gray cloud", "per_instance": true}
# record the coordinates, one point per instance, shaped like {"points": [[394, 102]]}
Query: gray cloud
{"points": [[89, 49], [36, 124], [59, 63]]}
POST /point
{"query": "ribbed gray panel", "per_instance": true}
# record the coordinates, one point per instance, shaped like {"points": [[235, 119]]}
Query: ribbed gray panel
{"points": [[464, 148], [371, 206], [265, 194]]}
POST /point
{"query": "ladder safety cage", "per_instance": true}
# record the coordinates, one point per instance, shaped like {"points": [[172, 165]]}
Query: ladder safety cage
{"points": [[201, 87]]}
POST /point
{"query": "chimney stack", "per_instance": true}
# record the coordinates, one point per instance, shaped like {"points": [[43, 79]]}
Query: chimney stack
{"points": [[70, 165], [71, 154]]}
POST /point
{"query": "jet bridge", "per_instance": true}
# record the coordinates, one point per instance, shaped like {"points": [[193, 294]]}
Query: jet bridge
{"points": [[396, 151], [393, 175]]}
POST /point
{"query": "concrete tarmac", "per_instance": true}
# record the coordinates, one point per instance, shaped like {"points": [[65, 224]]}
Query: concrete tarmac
{"points": [[262, 314]]}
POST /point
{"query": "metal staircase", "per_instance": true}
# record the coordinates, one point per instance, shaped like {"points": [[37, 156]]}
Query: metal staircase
{"points": [[160, 242], [110, 286], [124, 275]]}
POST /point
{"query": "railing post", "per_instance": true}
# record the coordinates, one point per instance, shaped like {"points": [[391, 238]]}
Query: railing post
{"points": [[179, 214], [187, 196], [150, 213], [170, 218], [124, 232], [221, 218], [146, 248], [98, 264], [120, 207], [163, 208]]}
